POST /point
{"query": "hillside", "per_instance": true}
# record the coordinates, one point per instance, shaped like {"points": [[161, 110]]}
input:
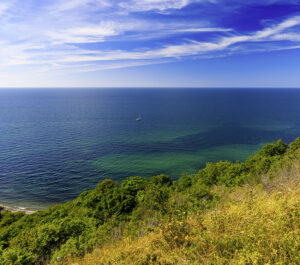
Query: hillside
{"points": [[251, 225], [227, 213]]}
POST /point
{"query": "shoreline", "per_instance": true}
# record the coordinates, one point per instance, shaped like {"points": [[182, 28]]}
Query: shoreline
{"points": [[17, 209]]}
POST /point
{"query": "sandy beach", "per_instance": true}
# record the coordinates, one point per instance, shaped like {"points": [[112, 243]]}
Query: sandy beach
{"points": [[17, 209]]}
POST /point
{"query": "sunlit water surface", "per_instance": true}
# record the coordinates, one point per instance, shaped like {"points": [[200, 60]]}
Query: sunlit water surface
{"points": [[56, 143]]}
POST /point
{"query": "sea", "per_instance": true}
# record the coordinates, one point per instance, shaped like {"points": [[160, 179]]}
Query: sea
{"points": [[57, 143]]}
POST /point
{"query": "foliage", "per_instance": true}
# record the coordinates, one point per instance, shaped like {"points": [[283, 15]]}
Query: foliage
{"points": [[176, 230], [139, 206], [252, 225]]}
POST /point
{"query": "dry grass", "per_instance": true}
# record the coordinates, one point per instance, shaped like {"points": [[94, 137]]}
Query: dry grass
{"points": [[252, 225]]}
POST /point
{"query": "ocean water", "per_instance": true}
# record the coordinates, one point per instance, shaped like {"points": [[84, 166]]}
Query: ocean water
{"points": [[56, 143]]}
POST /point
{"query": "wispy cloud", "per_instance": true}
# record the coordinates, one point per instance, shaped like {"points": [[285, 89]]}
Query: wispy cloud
{"points": [[4, 6], [193, 47], [94, 35], [62, 5], [86, 34], [145, 5], [203, 30], [295, 37]]}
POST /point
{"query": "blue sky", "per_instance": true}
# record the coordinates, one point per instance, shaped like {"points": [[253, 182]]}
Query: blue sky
{"points": [[150, 43]]}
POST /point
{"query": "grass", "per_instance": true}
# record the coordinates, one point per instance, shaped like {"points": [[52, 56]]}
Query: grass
{"points": [[253, 224]]}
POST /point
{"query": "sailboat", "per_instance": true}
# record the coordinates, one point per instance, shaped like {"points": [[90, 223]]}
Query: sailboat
{"points": [[139, 118]]}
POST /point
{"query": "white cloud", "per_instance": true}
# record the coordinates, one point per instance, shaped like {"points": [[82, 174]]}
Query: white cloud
{"points": [[67, 56], [191, 48], [117, 65], [85, 34], [50, 41], [287, 36], [145, 5], [5, 6], [278, 28], [202, 30], [63, 5]]}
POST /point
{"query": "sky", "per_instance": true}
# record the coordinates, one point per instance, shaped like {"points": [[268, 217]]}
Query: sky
{"points": [[150, 43]]}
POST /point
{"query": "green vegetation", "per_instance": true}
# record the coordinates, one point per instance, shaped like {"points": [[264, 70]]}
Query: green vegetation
{"points": [[216, 216], [250, 225]]}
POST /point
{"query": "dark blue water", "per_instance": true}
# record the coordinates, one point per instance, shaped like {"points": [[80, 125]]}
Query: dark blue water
{"points": [[57, 143]]}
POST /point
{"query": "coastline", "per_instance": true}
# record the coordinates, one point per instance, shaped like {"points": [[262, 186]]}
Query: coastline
{"points": [[17, 209]]}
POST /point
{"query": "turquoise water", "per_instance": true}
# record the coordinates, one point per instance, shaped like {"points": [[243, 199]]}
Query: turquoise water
{"points": [[57, 143]]}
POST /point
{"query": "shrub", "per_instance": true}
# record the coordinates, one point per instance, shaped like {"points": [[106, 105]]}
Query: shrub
{"points": [[113, 210]]}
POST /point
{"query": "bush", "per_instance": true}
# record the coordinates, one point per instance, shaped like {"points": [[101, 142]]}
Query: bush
{"points": [[112, 209]]}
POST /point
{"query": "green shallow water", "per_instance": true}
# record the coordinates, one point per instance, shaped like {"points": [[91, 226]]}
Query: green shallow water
{"points": [[173, 164]]}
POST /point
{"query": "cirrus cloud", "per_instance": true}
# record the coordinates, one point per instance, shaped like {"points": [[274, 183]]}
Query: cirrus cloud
{"points": [[86, 35]]}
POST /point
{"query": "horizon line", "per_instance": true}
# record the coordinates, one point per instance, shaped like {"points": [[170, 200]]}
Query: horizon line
{"points": [[147, 87]]}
